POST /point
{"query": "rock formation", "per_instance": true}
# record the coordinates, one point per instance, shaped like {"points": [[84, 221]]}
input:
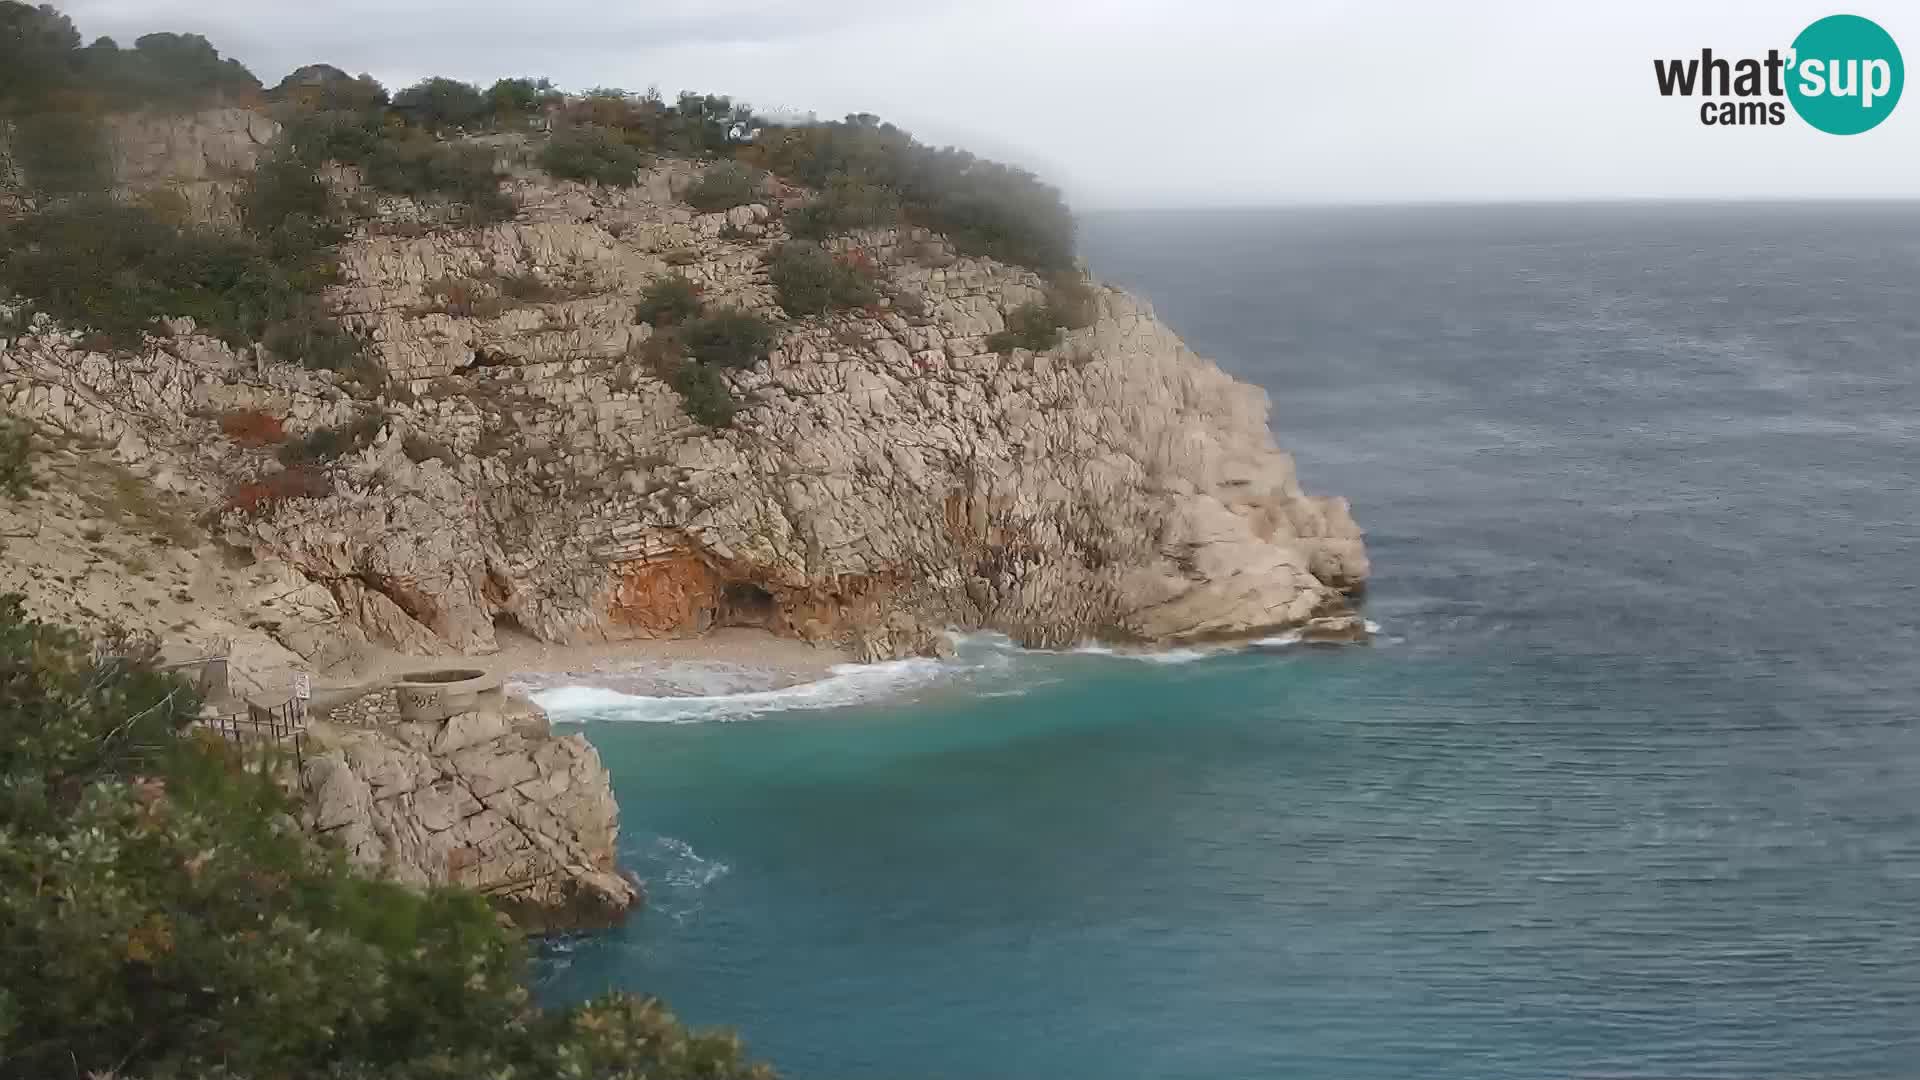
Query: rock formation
{"points": [[487, 797]]}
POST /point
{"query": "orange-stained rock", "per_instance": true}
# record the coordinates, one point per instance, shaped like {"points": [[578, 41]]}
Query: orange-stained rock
{"points": [[668, 597]]}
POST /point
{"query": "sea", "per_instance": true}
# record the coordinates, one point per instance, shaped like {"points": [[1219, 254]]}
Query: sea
{"points": [[1626, 786]]}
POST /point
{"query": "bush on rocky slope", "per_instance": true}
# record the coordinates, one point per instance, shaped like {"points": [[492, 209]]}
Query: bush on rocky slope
{"points": [[115, 269], [16, 457], [845, 203], [419, 166], [728, 339], [62, 152], [1029, 326], [984, 207], [809, 280], [723, 187], [592, 154], [668, 300], [160, 916], [704, 393]]}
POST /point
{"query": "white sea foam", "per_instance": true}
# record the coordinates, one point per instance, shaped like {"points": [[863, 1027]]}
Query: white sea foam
{"points": [[685, 868], [990, 664], [847, 684], [1151, 656]]}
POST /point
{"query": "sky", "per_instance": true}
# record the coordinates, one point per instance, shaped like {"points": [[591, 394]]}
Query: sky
{"points": [[1134, 103]]}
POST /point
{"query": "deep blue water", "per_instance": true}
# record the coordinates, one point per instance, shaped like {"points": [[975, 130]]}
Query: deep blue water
{"points": [[1629, 787]]}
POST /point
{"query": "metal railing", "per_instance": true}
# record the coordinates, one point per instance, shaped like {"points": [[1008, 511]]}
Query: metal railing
{"points": [[282, 724]]}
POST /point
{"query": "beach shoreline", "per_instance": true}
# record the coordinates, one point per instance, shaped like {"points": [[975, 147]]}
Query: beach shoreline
{"points": [[769, 661]]}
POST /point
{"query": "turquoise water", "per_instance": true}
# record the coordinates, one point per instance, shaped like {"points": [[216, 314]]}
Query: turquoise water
{"points": [[1629, 786]]}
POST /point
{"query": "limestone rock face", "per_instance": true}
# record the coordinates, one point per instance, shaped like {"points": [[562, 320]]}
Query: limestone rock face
{"points": [[203, 157], [887, 476], [490, 799]]}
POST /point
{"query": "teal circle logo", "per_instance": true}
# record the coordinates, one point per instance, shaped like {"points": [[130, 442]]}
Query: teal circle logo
{"points": [[1846, 76]]}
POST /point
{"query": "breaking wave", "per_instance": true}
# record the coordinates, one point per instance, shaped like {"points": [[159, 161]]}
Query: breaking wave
{"points": [[846, 684], [987, 665]]}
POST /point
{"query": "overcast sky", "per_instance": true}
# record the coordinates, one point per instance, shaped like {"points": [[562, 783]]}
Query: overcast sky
{"points": [[1156, 102]]}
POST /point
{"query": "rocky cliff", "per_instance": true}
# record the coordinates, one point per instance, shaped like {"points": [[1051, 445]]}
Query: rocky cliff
{"points": [[888, 475], [488, 798]]}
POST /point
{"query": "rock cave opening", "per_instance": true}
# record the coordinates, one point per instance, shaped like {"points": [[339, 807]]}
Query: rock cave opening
{"points": [[486, 358], [506, 625], [746, 604]]}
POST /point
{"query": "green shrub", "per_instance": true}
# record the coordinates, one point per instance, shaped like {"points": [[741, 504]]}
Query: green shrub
{"points": [[528, 288], [322, 445], [724, 186], [1071, 298], [730, 338], [16, 457], [846, 203], [177, 71], [291, 210], [668, 300], [462, 173], [984, 207], [315, 340], [62, 153], [159, 917], [39, 53], [809, 280], [705, 393], [348, 136], [115, 269], [1029, 326], [438, 103], [592, 154], [511, 99]]}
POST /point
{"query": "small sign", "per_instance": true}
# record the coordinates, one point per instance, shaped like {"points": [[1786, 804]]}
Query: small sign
{"points": [[303, 686]]}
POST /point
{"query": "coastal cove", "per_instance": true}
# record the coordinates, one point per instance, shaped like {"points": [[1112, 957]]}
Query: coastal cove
{"points": [[1619, 787]]}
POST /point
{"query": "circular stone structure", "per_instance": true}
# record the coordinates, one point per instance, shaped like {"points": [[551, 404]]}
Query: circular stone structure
{"points": [[436, 695]]}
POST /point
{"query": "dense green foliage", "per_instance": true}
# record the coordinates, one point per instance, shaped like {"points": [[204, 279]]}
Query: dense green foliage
{"points": [[438, 104], [421, 166], [62, 152], [53, 92], [161, 918], [690, 347], [695, 125], [845, 203], [809, 280], [592, 154], [724, 186], [729, 338], [668, 300], [16, 457], [984, 207], [705, 393], [514, 97], [401, 160], [1030, 326], [113, 268], [42, 63]]}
